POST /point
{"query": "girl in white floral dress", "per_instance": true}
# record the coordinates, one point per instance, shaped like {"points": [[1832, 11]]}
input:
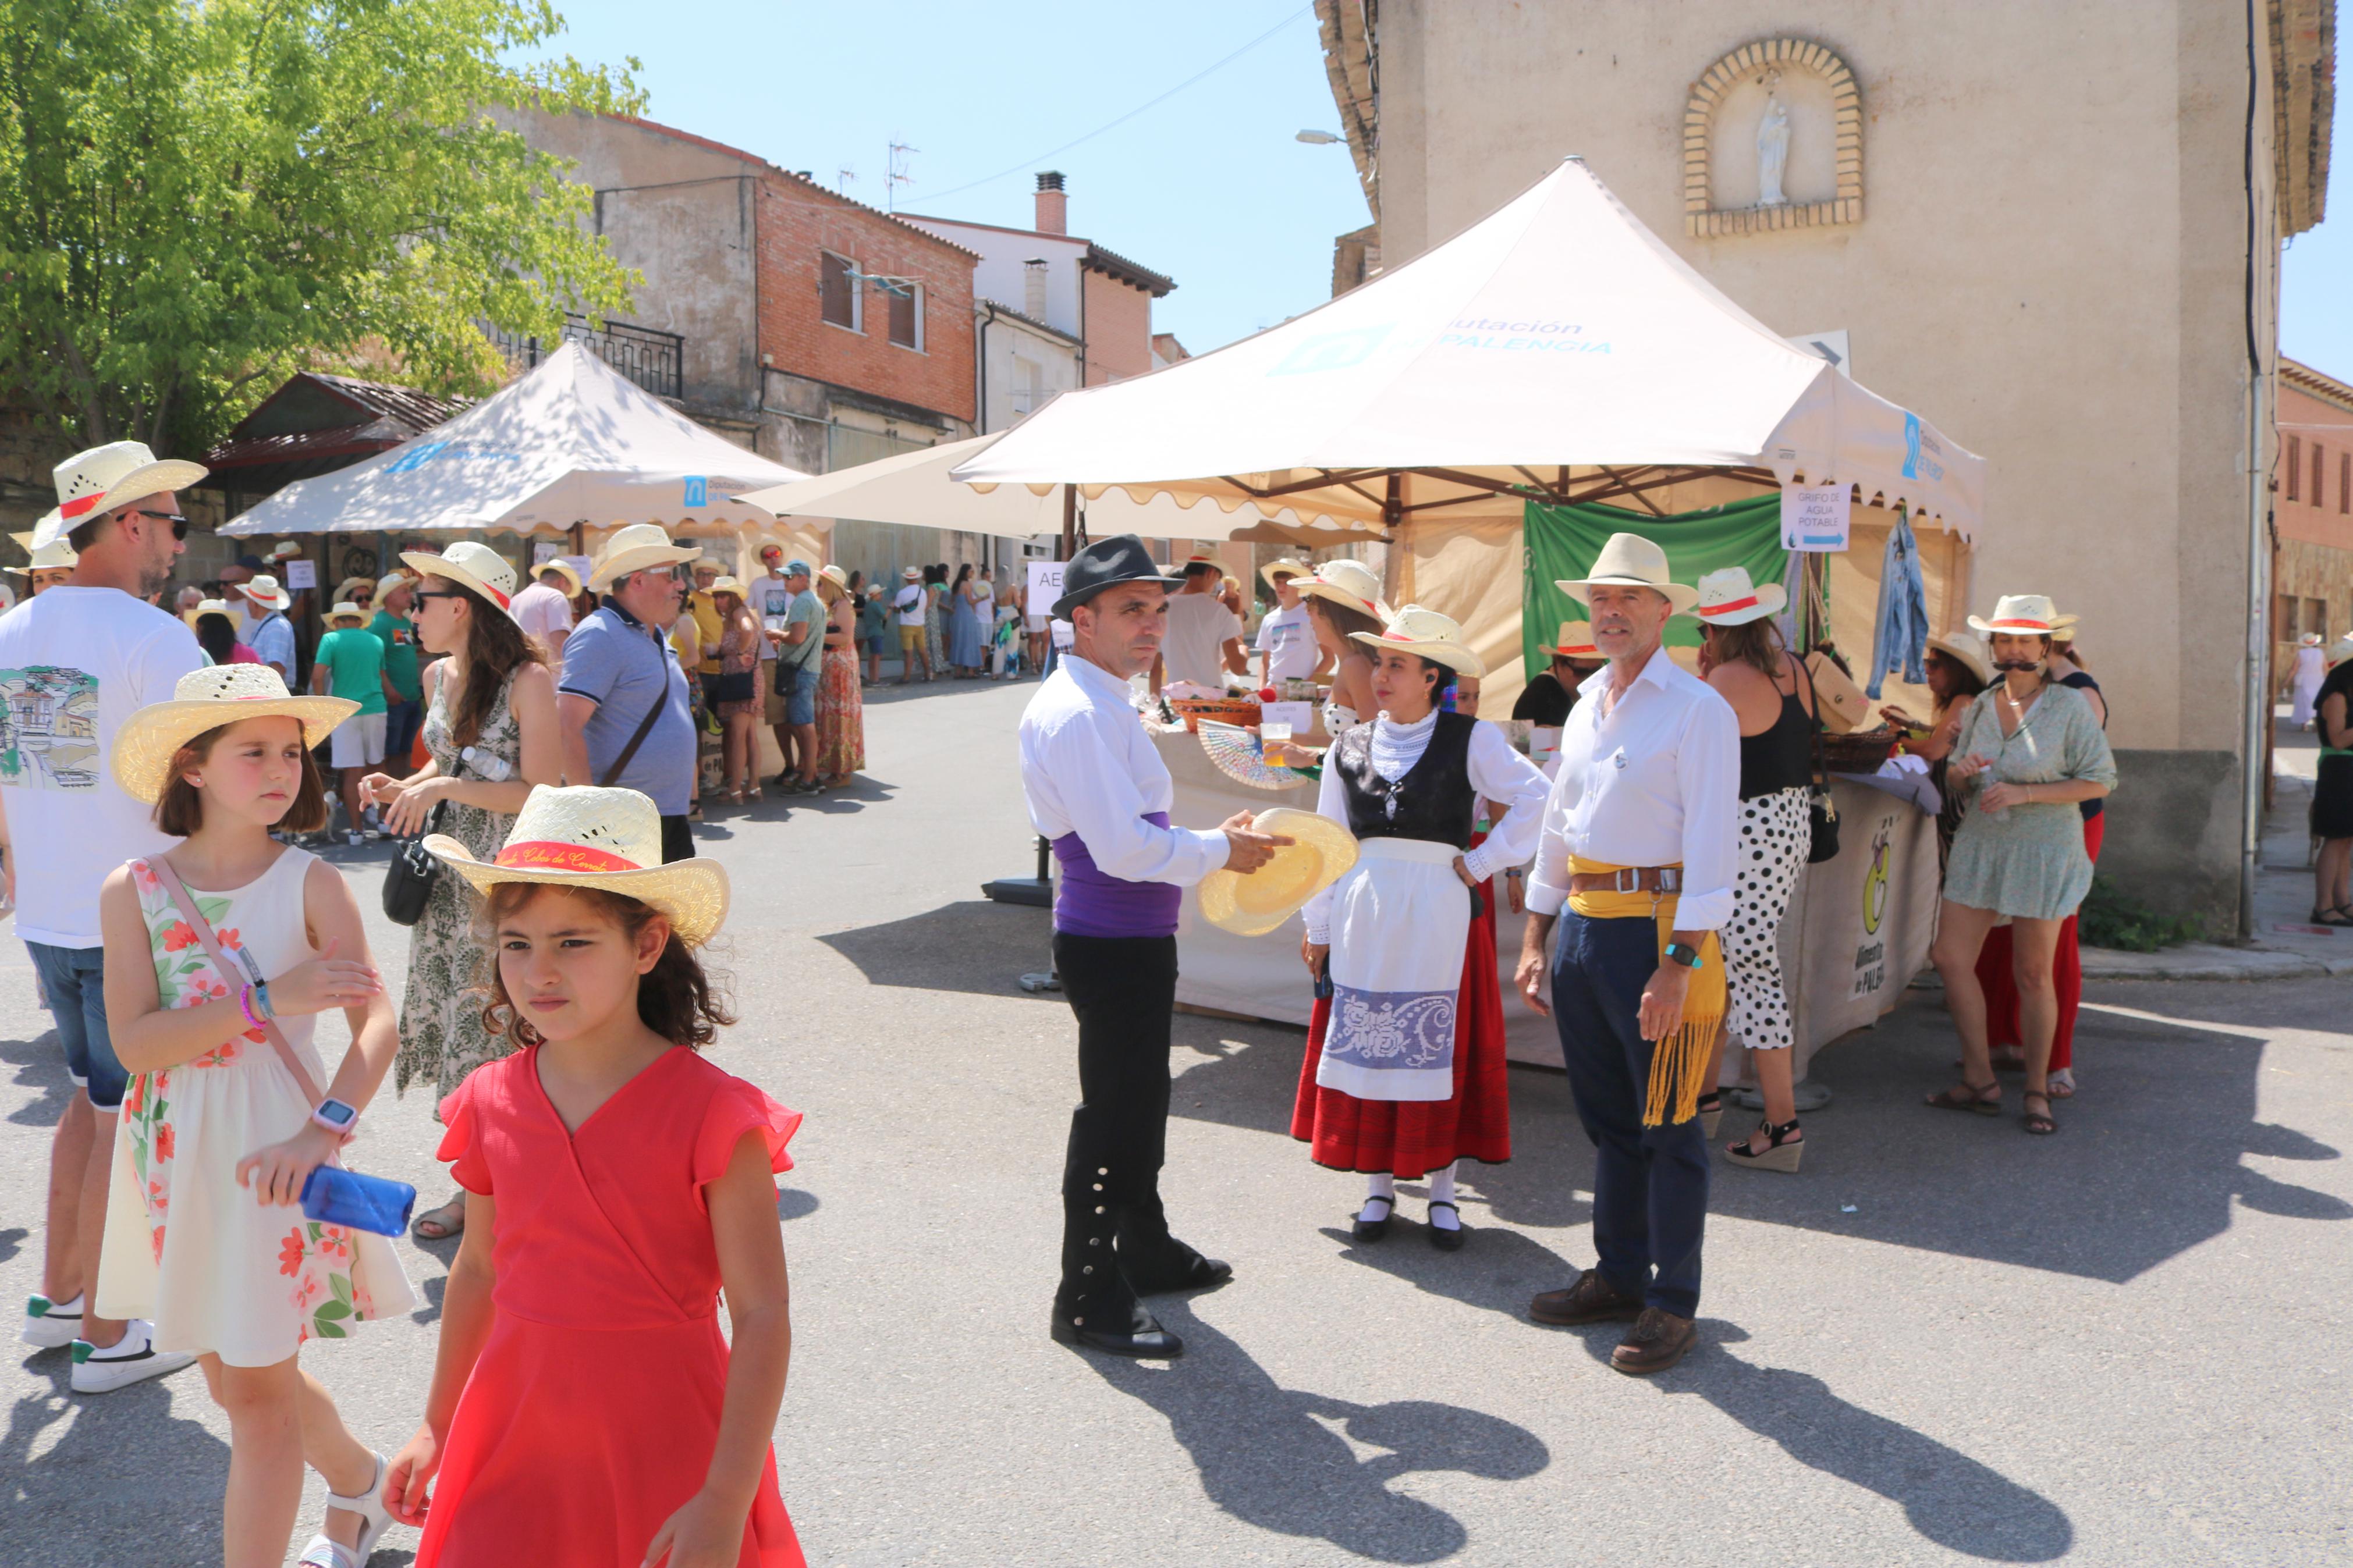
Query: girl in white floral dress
{"points": [[203, 1231]]}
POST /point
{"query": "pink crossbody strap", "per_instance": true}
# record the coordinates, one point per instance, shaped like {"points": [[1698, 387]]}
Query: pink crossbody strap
{"points": [[229, 969]]}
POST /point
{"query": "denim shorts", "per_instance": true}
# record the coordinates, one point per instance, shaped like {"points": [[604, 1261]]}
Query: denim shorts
{"points": [[74, 981], [800, 703]]}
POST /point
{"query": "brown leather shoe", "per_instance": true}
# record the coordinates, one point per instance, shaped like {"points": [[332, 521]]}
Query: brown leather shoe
{"points": [[1592, 1300], [1658, 1341]]}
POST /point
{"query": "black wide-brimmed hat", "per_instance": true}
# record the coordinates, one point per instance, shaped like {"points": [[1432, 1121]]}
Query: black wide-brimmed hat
{"points": [[1106, 563]]}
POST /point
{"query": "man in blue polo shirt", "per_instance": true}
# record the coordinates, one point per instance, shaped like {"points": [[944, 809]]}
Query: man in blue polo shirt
{"points": [[622, 697]]}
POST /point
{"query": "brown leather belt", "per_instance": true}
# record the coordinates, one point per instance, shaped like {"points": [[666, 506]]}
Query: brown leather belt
{"points": [[1629, 880]]}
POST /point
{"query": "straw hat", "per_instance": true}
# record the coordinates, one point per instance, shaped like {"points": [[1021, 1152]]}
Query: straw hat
{"points": [[263, 590], [284, 550], [470, 565], [634, 549], [206, 700], [1630, 561], [55, 556], [1349, 583], [1432, 635], [727, 583], [1320, 855], [1970, 652], [1727, 598], [345, 610], [2022, 614], [557, 563], [1286, 567], [214, 607], [343, 589], [605, 838], [912, 574], [2309, 639], [108, 476], [833, 574], [1575, 642]]}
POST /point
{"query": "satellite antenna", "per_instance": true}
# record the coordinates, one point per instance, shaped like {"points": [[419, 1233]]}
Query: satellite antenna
{"points": [[898, 176]]}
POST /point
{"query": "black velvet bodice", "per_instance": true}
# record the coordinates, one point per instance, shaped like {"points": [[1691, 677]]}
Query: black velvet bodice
{"points": [[1433, 801]]}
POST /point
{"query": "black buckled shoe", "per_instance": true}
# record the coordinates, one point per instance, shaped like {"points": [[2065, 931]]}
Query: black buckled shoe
{"points": [[1441, 1237], [1156, 1270], [1365, 1229], [1135, 1332]]}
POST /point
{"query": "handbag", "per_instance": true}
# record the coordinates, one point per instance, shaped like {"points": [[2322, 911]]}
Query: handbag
{"points": [[1821, 806], [408, 880]]}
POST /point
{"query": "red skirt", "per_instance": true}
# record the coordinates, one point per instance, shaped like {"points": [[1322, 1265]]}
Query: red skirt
{"points": [[1412, 1138], [1999, 982]]}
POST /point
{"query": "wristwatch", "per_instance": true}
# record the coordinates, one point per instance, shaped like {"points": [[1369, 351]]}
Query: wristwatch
{"points": [[337, 1117], [1687, 956]]}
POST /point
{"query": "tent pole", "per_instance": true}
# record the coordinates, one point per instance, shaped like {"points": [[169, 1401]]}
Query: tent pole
{"points": [[1038, 891]]}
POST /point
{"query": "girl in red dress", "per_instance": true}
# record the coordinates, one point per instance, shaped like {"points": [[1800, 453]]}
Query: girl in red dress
{"points": [[585, 1409]]}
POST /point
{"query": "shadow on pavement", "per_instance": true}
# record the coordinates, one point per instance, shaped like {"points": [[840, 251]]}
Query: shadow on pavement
{"points": [[167, 1468], [975, 946], [1496, 1269], [40, 1064], [1952, 1499], [1275, 1457]]}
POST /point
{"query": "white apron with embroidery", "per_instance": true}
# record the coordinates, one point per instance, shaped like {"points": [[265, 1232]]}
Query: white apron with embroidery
{"points": [[185, 1245], [1399, 919]]}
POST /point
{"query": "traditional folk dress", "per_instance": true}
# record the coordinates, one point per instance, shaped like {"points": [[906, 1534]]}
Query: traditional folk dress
{"points": [[593, 1410], [1404, 1071], [1100, 793], [185, 1245]]}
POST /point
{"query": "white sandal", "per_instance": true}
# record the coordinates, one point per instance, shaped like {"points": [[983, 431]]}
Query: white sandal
{"points": [[324, 1551]]}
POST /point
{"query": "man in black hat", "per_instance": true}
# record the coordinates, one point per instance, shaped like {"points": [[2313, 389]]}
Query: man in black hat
{"points": [[1099, 792]]}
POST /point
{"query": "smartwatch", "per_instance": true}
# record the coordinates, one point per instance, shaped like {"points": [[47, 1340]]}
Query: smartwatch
{"points": [[1687, 956], [337, 1117]]}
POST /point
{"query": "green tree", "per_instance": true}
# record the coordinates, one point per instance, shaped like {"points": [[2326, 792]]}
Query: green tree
{"points": [[198, 197]]}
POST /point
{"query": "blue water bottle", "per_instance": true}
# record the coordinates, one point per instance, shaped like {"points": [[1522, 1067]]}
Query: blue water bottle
{"points": [[333, 1197]]}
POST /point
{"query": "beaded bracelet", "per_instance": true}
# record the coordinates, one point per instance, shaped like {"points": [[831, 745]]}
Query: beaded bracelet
{"points": [[244, 1002]]}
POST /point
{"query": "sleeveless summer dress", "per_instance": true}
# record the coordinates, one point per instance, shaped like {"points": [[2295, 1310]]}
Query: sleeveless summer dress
{"points": [[185, 1245], [592, 1413]]}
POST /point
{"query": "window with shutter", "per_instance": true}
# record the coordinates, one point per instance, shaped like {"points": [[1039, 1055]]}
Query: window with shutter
{"points": [[2294, 466], [837, 290], [907, 315]]}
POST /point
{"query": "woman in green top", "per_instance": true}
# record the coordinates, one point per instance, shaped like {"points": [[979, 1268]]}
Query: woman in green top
{"points": [[2029, 751], [350, 664], [404, 710]]}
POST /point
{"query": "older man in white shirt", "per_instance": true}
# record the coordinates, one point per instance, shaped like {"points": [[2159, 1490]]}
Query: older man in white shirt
{"points": [[1640, 841], [1100, 793]]}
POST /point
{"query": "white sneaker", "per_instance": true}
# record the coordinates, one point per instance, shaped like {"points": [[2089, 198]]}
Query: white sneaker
{"points": [[52, 1325], [351, 837], [131, 1359]]}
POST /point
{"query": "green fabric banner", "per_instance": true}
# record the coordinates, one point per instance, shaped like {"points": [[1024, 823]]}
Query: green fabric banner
{"points": [[1563, 542]]}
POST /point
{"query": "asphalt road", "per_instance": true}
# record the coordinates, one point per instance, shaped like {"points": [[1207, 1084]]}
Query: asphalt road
{"points": [[1944, 1343]]}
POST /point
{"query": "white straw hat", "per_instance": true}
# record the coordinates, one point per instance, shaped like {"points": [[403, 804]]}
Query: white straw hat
{"points": [[1415, 630], [345, 610], [285, 550], [1575, 642], [1321, 853], [1349, 583], [1286, 567], [2022, 614], [1630, 561], [557, 563], [470, 565], [835, 575], [1727, 598], [634, 549], [1968, 651], [263, 589], [726, 583], [206, 700], [54, 556], [108, 476], [585, 837]]}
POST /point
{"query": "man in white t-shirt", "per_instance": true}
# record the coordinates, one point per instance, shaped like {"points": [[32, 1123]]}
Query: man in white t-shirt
{"points": [[74, 664], [543, 610], [909, 604], [1204, 641], [769, 597], [1287, 637]]}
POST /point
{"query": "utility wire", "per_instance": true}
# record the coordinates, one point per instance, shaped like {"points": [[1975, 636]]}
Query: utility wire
{"points": [[1188, 82]]}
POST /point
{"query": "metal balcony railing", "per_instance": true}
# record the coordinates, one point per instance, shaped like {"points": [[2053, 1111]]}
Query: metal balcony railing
{"points": [[651, 358]]}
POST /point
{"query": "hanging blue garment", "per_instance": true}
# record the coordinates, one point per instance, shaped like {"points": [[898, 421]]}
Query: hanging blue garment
{"points": [[1900, 638]]}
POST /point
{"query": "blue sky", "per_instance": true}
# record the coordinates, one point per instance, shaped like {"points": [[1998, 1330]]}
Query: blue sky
{"points": [[1207, 186]]}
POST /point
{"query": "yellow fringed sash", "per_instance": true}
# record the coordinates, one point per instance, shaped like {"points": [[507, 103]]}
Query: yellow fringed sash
{"points": [[1680, 1061]]}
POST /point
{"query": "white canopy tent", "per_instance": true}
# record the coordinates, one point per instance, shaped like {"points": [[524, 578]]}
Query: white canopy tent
{"points": [[1555, 351], [571, 443]]}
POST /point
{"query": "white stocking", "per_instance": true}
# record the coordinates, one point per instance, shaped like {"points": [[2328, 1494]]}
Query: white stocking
{"points": [[1381, 1187], [1441, 1191]]}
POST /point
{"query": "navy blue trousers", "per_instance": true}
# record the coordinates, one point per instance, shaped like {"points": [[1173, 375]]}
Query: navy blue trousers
{"points": [[1649, 1184]]}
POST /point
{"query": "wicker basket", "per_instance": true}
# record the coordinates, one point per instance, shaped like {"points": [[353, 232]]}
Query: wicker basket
{"points": [[1858, 751], [1224, 709]]}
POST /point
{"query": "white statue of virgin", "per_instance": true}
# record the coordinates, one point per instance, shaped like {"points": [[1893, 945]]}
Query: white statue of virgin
{"points": [[1772, 155]]}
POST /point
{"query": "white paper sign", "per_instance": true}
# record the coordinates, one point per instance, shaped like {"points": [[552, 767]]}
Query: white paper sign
{"points": [[1815, 518], [1065, 635], [1300, 716], [301, 573], [543, 551], [1045, 584]]}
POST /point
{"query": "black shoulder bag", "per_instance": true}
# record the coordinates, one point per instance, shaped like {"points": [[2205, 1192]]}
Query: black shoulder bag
{"points": [[1821, 808], [408, 880]]}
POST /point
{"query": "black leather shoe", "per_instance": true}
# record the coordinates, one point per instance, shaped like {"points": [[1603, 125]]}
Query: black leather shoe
{"points": [[1133, 1334], [1172, 1266], [1441, 1237], [1373, 1229]]}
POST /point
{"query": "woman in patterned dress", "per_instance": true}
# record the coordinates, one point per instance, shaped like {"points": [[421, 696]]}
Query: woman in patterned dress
{"points": [[489, 693], [840, 707]]}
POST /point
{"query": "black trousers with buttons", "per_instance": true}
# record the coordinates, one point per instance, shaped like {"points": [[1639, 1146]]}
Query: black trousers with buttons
{"points": [[1123, 990]]}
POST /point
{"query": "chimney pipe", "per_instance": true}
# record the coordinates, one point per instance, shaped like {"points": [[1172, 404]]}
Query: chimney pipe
{"points": [[1053, 204]]}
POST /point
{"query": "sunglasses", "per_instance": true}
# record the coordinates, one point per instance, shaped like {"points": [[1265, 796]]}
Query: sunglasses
{"points": [[421, 594], [179, 524]]}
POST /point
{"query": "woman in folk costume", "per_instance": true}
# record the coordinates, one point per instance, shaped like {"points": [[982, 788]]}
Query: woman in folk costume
{"points": [[1405, 1072]]}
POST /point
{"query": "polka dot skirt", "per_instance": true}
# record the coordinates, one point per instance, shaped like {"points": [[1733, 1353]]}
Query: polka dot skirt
{"points": [[1775, 839]]}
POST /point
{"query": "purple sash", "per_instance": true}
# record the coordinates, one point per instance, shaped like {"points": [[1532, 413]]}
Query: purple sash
{"points": [[1092, 902]]}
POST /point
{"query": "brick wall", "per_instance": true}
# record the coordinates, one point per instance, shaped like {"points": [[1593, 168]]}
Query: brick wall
{"points": [[1119, 329], [797, 221]]}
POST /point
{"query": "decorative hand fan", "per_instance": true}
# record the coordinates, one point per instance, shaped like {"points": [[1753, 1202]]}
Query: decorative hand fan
{"points": [[1235, 753]]}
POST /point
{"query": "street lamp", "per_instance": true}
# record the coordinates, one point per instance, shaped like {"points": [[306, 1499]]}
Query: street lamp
{"points": [[1318, 138]]}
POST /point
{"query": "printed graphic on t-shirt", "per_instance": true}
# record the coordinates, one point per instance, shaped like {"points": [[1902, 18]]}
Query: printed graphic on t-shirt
{"points": [[49, 727]]}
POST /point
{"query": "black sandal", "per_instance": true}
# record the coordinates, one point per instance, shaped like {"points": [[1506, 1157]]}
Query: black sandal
{"points": [[2040, 1122], [1787, 1148], [1374, 1229], [2336, 916], [1968, 1097]]}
